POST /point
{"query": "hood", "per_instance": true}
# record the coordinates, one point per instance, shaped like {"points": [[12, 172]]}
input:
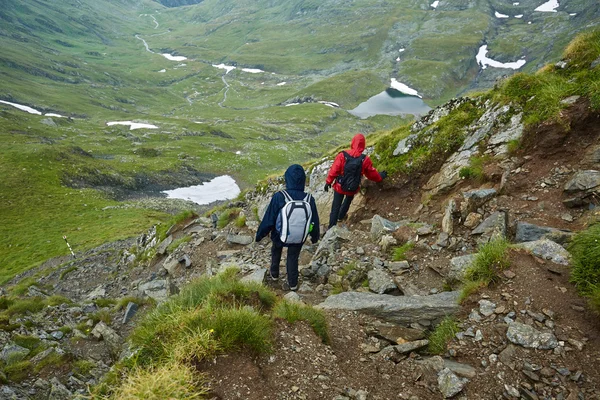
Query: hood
{"points": [[358, 144], [295, 177]]}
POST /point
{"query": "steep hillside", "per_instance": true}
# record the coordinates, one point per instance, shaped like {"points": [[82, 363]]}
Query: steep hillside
{"points": [[460, 275]]}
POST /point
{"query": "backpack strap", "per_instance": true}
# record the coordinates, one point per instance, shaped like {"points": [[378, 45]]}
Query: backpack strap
{"points": [[307, 198], [287, 196]]}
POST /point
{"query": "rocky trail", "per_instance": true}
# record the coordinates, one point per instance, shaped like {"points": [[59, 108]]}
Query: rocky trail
{"points": [[526, 336]]}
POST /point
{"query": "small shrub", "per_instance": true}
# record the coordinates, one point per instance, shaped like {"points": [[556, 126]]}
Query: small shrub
{"points": [[5, 302], [293, 312], [171, 381], [102, 315], [470, 288], [54, 359], [475, 169], [585, 274], [443, 333], [122, 303], [400, 252]]}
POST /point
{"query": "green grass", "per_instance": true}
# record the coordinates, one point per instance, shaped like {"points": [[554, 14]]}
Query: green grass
{"points": [[240, 221], [399, 253], [227, 216], [293, 312], [585, 273], [177, 220], [491, 260], [178, 242], [442, 334], [475, 170], [83, 367], [18, 371]]}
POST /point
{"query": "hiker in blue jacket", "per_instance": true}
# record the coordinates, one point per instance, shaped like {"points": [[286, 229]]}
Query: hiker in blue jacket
{"points": [[295, 180]]}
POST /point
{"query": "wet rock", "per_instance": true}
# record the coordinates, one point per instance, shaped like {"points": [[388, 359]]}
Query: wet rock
{"points": [[449, 383], [548, 250], [380, 282], [459, 266], [527, 336], [527, 232], [402, 310]]}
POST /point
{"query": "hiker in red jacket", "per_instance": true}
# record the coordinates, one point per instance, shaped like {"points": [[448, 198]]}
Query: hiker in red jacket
{"points": [[345, 174]]}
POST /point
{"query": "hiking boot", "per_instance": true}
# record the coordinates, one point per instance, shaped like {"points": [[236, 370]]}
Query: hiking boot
{"points": [[273, 278], [286, 286]]}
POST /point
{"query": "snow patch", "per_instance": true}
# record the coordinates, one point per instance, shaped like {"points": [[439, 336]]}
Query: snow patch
{"points": [[498, 15], [227, 68], [435, 4], [55, 115], [519, 16], [252, 70], [401, 50], [484, 61], [22, 107], [549, 6], [330, 104], [401, 87], [162, 70], [220, 188], [173, 58], [132, 125], [281, 83]]}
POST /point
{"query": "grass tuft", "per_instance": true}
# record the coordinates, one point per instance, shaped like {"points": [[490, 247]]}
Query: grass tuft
{"points": [[443, 333], [400, 252], [293, 312], [585, 274], [491, 259]]}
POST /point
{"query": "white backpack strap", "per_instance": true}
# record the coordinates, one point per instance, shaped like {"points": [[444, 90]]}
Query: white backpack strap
{"points": [[307, 198], [287, 196]]}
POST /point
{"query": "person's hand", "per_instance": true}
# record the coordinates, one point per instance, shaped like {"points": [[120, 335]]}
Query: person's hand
{"points": [[383, 174], [327, 186]]}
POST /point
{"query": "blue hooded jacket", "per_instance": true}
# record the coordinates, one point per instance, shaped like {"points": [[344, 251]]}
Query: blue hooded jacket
{"points": [[295, 179]]}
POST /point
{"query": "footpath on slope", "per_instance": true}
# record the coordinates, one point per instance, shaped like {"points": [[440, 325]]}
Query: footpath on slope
{"points": [[528, 336]]}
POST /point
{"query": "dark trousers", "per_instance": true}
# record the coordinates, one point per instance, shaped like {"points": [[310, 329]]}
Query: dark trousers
{"points": [[339, 208], [293, 254]]}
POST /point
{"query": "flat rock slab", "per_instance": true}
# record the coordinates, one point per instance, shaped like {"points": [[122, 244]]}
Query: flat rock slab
{"points": [[527, 336], [548, 250], [402, 310]]}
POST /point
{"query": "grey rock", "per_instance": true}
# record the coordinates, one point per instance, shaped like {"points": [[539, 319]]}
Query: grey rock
{"points": [[57, 335], [527, 336], [398, 266], [13, 352], [185, 260], [513, 130], [486, 307], [402, 310], [49, 122], [508, 356], [380, 282], [257, 276], [448, 219], [583, 181], [425, 230], [159, 289], [449, 383], [381, 226], [332, 241], [293, 297], [460, 369], [493, 227], [130, 311], [40, 356], [103, 331], [162, 247], [595, 63], [570, 100], [404, 145], [548, 250], [527, 232], [411, 346], [472, 220], [243, 240], [97, 293], [474, 199], [459, 266], [58, 391]]}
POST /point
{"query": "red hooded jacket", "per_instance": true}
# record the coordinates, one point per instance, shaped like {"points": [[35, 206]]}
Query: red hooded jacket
{"points": [[337, 169]]}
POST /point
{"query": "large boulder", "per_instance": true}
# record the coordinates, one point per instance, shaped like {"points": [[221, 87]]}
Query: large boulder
{"points": [[527, 336], [493, 227], [548, 250], [459, 266], [583, 181], [527, 232], [402, 310]]}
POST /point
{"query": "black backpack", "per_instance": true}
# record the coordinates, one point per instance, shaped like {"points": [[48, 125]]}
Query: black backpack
{"points": [[350, 180]]}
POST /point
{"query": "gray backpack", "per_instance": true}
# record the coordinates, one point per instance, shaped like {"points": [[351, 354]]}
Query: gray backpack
{"points": [[293, 221]]}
